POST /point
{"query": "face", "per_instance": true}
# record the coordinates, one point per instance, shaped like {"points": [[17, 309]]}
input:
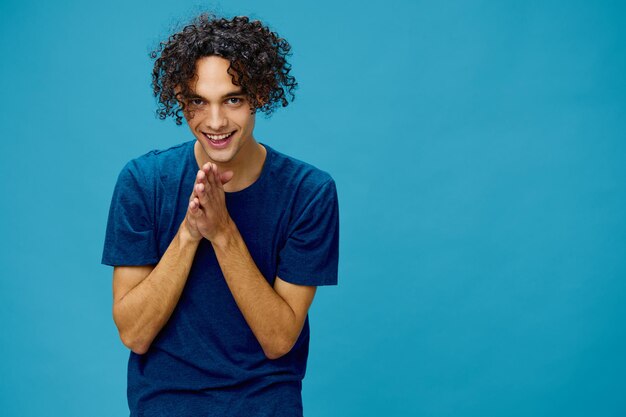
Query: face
{"points": [[219, 114]]}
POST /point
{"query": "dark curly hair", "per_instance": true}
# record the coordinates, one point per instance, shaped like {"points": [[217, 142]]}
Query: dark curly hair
{"points": [[257, 63]]}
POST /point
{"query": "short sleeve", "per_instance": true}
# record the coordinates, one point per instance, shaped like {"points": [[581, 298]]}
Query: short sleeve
{"points": [[311, 253], [130, 236]]}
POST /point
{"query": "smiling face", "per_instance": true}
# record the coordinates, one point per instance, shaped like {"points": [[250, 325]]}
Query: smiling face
{"points": [[219, 115]]}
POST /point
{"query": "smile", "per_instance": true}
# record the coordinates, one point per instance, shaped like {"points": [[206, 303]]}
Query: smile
{"points": [[219, 141], [218, 138]]}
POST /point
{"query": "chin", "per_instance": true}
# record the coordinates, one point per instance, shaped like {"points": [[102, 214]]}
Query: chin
{"points": [[219, 156]]}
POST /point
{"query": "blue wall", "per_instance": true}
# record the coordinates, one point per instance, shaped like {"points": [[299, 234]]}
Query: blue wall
{"points": [[480, 156]]}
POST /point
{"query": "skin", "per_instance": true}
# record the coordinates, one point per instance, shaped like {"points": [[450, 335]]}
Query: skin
{"points": [[220, 107], [145, 296]]}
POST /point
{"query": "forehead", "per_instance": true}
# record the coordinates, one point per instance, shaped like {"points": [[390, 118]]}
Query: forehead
{"points": [[212, 77]]}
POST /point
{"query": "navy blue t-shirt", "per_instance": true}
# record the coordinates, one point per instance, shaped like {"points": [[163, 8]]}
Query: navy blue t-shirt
{"points": [[206, 361]]}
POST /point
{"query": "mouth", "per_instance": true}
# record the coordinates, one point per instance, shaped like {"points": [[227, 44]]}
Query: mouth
{"points": [[219, 141]]}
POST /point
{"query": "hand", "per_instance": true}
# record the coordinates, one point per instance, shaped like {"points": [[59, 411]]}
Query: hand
{"points": [[207, 215]]}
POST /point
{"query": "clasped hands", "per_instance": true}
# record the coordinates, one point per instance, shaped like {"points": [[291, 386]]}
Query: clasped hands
{"points": [[207, 215]]}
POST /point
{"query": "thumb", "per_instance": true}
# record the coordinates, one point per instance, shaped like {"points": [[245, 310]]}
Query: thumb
{"points": [[226, 176]]}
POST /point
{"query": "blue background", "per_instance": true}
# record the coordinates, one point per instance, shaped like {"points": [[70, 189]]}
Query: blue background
{"points": [[479, 152]]}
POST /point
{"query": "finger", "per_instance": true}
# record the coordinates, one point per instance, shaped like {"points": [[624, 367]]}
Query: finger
{"points": [[199, 179], [193, 193], [211, 176], [206, 174], [217, 178], [206, 168], [201, 193], [194, 208], [193, 205], [201, 176]]}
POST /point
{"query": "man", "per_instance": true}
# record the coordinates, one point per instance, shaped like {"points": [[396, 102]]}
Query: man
{"points": [[218, 243]]}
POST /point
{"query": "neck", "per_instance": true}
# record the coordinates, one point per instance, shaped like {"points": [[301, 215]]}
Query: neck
{"points": [[246, 166]]}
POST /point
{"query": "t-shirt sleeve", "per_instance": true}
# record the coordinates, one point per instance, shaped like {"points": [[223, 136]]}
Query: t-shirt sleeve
{"points": [[311, 253], [130, 234]]}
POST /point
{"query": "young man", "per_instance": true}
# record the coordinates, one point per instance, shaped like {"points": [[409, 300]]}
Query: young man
{"points": [[218, 243]]}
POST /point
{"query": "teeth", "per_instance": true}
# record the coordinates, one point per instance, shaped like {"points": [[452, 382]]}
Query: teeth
{"points": [[218, 137]]}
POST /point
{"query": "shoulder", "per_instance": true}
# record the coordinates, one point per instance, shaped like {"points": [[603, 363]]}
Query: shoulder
{"points": [[297, 175], [157, 163]]}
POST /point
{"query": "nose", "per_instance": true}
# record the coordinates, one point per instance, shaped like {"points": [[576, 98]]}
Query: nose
{"points": [[215, 120]]}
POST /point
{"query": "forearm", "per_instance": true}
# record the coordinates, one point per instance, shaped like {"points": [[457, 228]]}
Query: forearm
{"points": [[143, 311], [270, 318]]}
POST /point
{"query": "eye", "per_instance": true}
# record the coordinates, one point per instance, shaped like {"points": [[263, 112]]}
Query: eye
{"points": [[234, 100], [196, 101]]}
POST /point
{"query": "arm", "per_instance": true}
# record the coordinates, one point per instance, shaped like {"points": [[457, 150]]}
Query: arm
{"points": [[275, 314], [145, 296]]}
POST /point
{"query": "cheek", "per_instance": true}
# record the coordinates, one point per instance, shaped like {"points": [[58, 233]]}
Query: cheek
{"points": [[191, 120], [243, 117], [188, 119], [249, 122]]}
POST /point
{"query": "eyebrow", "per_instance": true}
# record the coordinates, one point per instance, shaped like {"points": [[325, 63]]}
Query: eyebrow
{"points": [[227, 95], [234, 93]]}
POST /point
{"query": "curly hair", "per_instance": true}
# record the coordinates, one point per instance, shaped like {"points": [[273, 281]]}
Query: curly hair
{"points": [[257, 63]]}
